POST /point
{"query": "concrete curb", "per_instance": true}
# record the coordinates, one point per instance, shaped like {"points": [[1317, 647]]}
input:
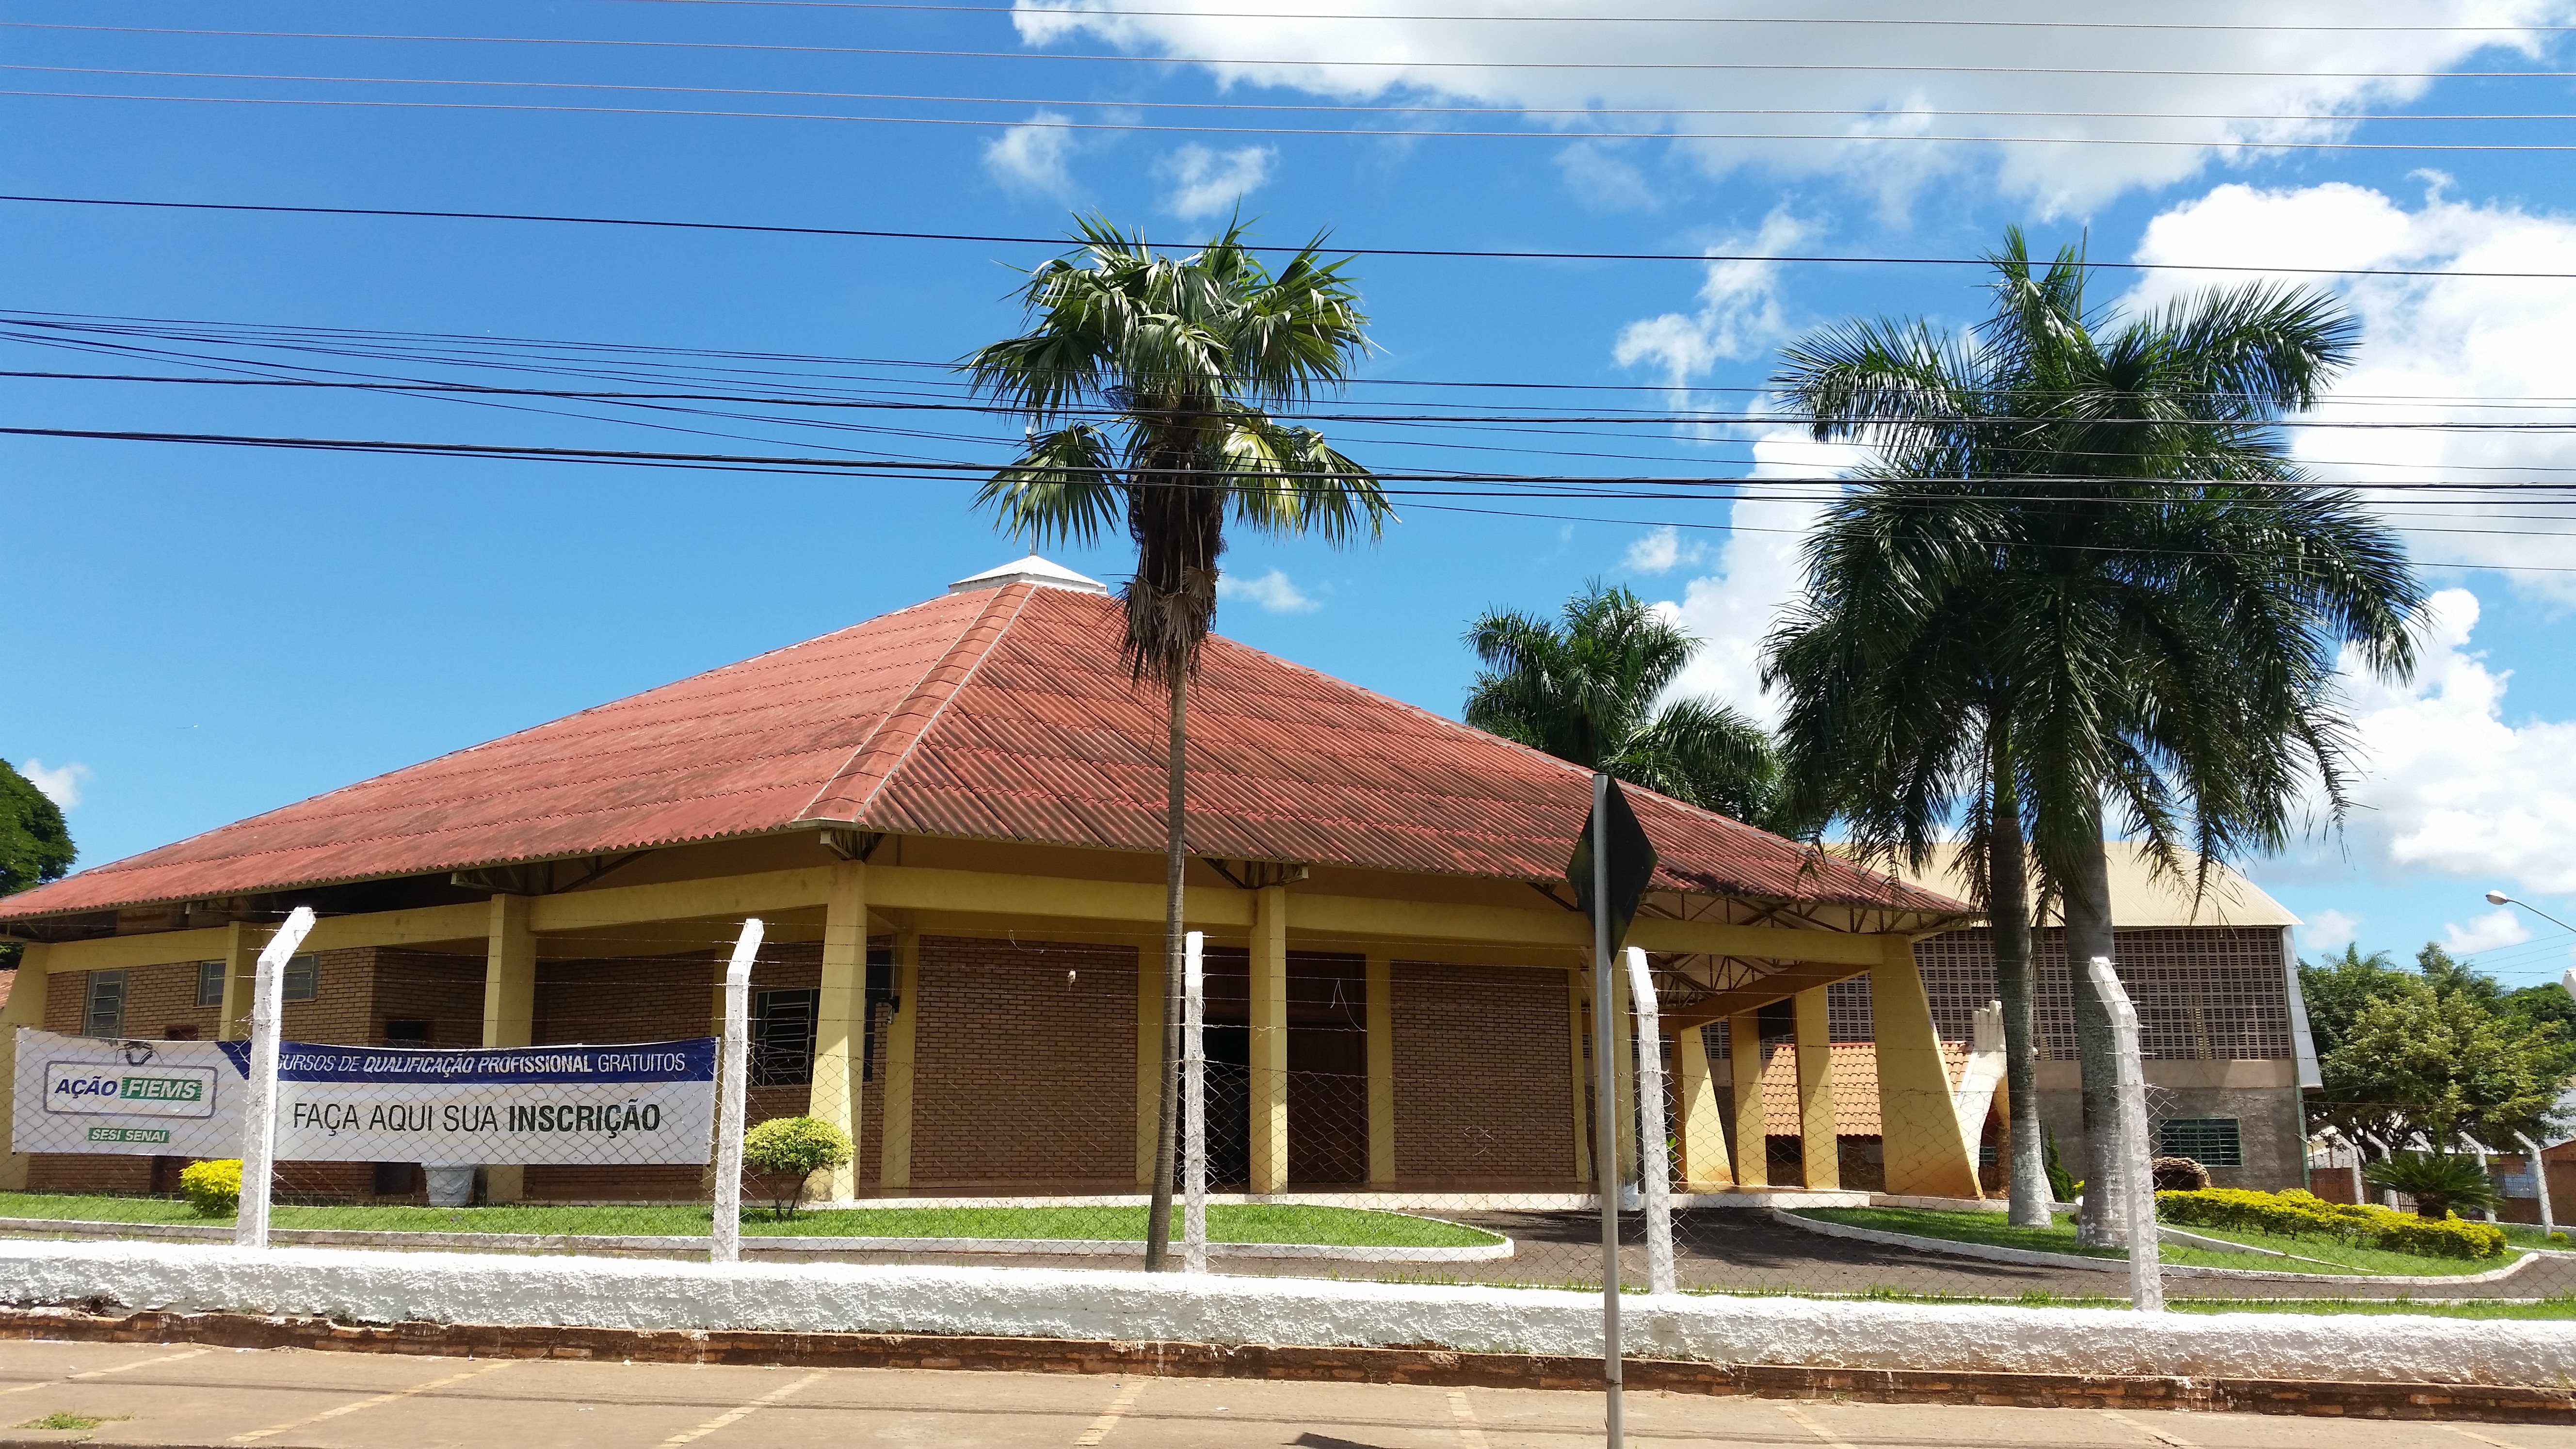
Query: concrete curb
{"points": [[1108, 1305], [2033, 1258], [1423, 1366], [752, 1244]]}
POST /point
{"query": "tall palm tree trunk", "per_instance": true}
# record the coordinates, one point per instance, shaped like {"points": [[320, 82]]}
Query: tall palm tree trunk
{"points": [[1158, 1225], [2008, 908], [2088, 934]]}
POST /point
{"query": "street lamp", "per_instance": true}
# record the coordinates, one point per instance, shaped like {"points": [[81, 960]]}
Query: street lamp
{"points": [[2499, 898]]}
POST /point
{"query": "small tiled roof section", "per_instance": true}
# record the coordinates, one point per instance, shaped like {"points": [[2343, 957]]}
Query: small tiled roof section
{"points": [[993, 713], [1855, 1086]]}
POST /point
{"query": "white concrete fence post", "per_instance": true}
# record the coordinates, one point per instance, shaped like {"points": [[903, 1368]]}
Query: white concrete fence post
{"points": [[1654, 1156], [733, 1080], [2133, 1163], [2539, 1184], [1194, 1247], [259, 1101]]}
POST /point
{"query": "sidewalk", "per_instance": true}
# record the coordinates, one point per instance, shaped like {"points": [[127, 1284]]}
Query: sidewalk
{"points": [[170, 1395]]}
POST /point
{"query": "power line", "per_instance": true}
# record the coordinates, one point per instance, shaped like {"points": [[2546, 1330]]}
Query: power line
{"points": [[1998, 421], [1905, 68], [1079, 12], [1334, 107], [1407, 133], [1063, 244]]}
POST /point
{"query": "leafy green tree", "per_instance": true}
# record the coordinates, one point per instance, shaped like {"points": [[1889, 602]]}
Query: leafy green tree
{"points": [[1148, 381], [2160, 599], [2336, 988], [1585, 689], [35, 845], [2441, 1062]]}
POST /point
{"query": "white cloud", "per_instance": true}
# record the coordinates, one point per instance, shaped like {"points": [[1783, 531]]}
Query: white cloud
{"points": [[1740, 315], [2496, 928], [1601, 177], [1273, 591], [1759, 569], [1205, 182], [1851, 82], [2445, 785], [2329, 930], [61, 784], [1032, 157], [2427, 344], [1661, 551]]}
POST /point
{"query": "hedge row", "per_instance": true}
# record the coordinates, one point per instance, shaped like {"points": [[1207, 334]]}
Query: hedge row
{"points": [[2296, 1213]]}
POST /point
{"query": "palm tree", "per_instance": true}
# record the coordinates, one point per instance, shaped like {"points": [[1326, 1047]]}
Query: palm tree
{"points": [[1586, 690], [1148, 381], [2160, 596]]}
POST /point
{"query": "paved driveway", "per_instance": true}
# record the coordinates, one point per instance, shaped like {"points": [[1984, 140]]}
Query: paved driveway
{"points": [[171, 1395]]}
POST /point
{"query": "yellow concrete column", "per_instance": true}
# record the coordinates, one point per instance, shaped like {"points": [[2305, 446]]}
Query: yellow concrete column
{"points": [[1270, 1039], [1381, 1069], [1919, 1125], [26, 1007], [509, 1010], [1623, 1028], [1752, 1149], [241, 977], [840, 1018], [1149, 1056], [1819, 1147], [1697, 1127], [894, 1154], [1577, 1034]]}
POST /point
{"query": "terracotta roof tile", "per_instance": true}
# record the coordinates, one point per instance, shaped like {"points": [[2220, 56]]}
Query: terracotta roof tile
{"points": [[1001, 713]]}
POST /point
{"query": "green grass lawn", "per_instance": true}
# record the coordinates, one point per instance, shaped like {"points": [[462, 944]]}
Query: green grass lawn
{"points": [[1249, 1223], [2315, 1255]]}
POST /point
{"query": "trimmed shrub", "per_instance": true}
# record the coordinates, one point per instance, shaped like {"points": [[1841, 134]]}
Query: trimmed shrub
{"points": [[213, 1189], [2296, 1214], [785, 1151]]}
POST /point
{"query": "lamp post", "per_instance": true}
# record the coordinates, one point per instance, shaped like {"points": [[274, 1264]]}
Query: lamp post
{"points": [[2499, 898]]}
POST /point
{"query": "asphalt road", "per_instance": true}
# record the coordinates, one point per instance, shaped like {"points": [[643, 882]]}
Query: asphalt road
{"points": [[174, 1395]]}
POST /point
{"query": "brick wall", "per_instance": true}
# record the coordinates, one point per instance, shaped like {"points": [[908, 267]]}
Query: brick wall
{"points": [[1481, 1096], [1024, 1065]]}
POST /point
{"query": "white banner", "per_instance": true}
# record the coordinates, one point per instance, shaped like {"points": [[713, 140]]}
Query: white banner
{"points": [[138, 1098], [651, 1102], [648, 1103]]}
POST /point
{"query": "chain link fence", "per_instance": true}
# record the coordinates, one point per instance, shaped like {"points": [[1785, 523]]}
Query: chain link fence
{"points": [[916, 1097]]}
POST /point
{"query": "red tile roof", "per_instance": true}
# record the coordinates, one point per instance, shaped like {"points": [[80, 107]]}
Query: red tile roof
{"points": [[1000, 714]]}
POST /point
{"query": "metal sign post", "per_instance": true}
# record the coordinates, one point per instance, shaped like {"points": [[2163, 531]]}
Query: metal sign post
{"points": [[733, 1078], [1605, 1109], [1612, 862]]}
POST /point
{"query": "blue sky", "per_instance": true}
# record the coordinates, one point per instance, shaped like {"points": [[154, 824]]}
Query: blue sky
{"points": [[202, 633]]}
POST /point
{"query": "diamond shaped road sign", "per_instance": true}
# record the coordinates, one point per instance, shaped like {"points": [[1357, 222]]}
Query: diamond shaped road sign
{"points": [[1632, 864]]}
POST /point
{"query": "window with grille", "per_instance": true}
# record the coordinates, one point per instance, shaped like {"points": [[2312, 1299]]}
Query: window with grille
{"points": [[303, 978], [782, 1037], [2209, 1141], [103, 1008], [210, 983]]}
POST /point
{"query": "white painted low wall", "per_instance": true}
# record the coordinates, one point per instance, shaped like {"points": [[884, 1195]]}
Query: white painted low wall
{"points": [[1133, 1307]]}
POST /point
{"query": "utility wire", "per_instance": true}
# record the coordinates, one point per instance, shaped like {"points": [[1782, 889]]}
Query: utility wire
{"points": [[844, 467], [1906, 68], [2000, 422], [1065, 244], [1302, 107], [1407, 133], [1083, 11]]}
